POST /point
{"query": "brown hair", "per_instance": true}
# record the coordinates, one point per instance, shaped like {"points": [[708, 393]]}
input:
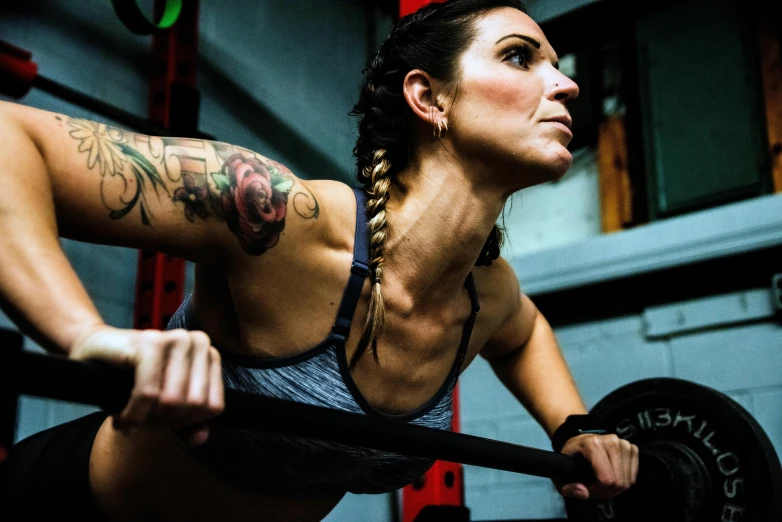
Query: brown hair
{"points": [[431, 39]]}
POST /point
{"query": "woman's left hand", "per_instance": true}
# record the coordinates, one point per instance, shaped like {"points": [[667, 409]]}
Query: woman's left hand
{"points": [[614, 461]]}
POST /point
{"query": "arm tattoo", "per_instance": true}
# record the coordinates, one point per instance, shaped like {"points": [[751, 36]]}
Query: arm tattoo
{"points": [[249, 192], [253, 199], [109, 148]]}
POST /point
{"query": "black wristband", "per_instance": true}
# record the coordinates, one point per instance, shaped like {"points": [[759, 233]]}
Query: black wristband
{"points": [[577, 425]]}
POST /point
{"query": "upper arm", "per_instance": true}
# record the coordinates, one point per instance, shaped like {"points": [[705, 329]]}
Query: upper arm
{"points": [[201, 200], [518, 314]]}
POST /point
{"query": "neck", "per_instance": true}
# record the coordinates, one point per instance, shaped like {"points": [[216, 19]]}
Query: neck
{"points": [[439, 219]]}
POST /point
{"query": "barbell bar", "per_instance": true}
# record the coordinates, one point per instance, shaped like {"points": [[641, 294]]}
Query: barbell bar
{"points": [[702, 456]]}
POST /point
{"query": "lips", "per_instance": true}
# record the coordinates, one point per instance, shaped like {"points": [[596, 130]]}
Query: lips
{"points": [[564, 119]]}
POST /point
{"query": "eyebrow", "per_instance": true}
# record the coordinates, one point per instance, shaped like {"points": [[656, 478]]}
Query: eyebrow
{"points": [[523, 37], [526, 39]]}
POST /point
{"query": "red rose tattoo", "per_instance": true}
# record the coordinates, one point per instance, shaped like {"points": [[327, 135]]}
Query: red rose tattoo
{"points": [[254, 201]]}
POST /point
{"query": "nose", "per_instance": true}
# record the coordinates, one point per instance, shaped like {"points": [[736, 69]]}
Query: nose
{"points": [[563, 89]]}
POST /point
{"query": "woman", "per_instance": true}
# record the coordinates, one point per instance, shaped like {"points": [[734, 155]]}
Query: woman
{"points": [[461, 107]]}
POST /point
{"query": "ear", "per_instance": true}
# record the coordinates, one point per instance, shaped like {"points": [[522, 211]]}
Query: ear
{"points": [[420, 92]]}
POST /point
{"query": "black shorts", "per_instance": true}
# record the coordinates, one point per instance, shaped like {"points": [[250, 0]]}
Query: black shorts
{"points": [[47, 474]]}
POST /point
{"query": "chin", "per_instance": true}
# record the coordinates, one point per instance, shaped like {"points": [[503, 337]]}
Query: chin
{"points": [[560, 162], [561, 168], [552, 161], [542, 172], [541, 168], [556, 166]]}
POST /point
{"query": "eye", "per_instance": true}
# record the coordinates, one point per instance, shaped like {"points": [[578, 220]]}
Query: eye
{"points": [[520, 55]]}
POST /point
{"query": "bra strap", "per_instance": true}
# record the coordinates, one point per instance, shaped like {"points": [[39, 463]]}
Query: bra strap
{"points": [[359, 269], [476, 306]]}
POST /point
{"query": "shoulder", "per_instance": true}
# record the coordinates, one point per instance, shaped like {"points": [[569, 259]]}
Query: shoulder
{"points": [[311, 217], [498, 286], [512, 313], [325, 211]]}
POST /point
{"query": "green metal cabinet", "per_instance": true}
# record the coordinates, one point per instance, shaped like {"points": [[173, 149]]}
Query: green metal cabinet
{"points": [[701, 107]]}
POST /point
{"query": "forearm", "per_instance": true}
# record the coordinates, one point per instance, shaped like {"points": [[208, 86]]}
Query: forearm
{"points": [[538, 375], [38, 288]]}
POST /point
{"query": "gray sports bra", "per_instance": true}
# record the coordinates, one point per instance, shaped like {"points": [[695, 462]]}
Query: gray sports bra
{"points": [[306, 468]]}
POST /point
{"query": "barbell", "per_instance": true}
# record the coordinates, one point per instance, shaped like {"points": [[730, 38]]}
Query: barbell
{"points": [[703, 457]]}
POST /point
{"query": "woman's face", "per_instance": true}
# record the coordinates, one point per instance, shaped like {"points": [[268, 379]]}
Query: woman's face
{"points": [[510, 94]]}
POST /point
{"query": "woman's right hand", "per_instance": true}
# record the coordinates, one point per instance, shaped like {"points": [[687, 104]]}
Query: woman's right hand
{"points": [[178, 378]]}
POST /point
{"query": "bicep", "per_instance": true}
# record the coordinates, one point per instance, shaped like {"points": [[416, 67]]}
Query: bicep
{"points": [[197, 199]]}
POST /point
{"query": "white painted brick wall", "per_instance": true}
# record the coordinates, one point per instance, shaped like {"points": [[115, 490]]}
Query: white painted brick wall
{"points": [[617, 328], [740, 358], [700, 314], [483, 397], [767, 409], [600, 367], [515, 502]]}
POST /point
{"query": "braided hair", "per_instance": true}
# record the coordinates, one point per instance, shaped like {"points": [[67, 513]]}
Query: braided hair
{"points": [[431, 39]]}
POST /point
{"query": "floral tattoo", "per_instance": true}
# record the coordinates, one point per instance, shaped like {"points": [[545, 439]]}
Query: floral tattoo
{"points": [[249, 192], [194, 197], [254, 201], [109, 149]]}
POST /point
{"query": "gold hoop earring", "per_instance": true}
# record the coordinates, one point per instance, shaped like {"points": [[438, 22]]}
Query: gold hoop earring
{"points": [[441, 131]]}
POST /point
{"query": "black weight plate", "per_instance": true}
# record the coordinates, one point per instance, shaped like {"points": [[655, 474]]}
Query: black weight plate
{"points": [[732, 472]]}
